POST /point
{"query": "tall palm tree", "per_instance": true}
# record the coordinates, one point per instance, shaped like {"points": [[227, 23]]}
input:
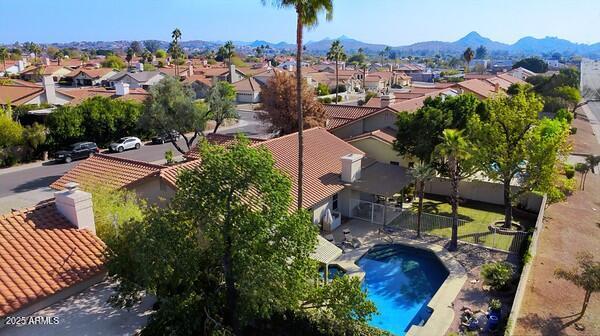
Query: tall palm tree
{"points": [[421, 174], [336, 53], [129, 57], [593, 161], [3, 57], [386, 53], [229, 50], [59, 56], [468, 57], [174, 48], [453, 150], [307, 13]]}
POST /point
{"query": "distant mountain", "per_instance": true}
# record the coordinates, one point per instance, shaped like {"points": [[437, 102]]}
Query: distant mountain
{"points": [[525, 46]]}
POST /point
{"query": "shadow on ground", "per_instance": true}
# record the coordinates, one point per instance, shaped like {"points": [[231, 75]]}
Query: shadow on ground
{"points": [[36, 183]]}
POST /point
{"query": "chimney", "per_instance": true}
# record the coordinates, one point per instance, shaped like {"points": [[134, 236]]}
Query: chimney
{"points": [[122, 89], [351, 167], [20, 66], [496, 87], [49, 89], [191, 70], [139, 66], [232, 74], [76, 206], [46, 60], [388, 99]]}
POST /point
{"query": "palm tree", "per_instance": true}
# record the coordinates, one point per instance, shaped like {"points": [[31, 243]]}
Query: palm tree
{"points": [[453, 150], [229, 51], [59, 56], [422, 174], [174, 48], [307, 12], [3, 57], [129, 57], [593, 161], [336, 53], [468, 57]]}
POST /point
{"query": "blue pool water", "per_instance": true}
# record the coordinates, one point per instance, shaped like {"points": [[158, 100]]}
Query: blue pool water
{"points": [[401, 280]]}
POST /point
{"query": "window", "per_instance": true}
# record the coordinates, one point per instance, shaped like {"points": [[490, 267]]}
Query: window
{"points": [[334, 202], [394, 163]]}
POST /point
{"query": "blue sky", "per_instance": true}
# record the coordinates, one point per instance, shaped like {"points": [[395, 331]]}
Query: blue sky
{"points": [[393, 22]]}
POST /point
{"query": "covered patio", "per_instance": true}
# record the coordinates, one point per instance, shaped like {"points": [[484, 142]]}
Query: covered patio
{"points": [[377, 196]]}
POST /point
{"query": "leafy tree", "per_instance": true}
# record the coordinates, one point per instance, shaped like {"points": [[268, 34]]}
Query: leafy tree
{"points": [[228, 252], [336, 53], [65, 126], [307, 16], [171, 107], [60, 55], [570, 95], [114, 62], [11, 132], [481, 52], [534, 64], [322, 89], [33, 137], [587, 277], [160, 53], [221, 103], [513, 143], [3, 57], [137, 48], [279, 101], [152, 45], [420, 132], [456, 164], [468, 57], [421, 174]]}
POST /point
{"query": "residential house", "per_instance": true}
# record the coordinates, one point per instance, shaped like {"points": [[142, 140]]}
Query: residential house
{"points": [[12, 67], [521, 73], [48, 253], [247, 90], [91, 76], [16, 93], [200, 84], [144, 79], [36, 73], [121, 91]]}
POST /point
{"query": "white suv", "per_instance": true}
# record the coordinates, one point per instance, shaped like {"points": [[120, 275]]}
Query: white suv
{"points": [[125, 143]]}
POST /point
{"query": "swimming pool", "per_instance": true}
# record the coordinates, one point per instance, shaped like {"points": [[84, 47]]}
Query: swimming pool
{"points": [[401, 280]]}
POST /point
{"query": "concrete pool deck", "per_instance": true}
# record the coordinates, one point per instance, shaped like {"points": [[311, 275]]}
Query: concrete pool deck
{"points": [[442, 302]]}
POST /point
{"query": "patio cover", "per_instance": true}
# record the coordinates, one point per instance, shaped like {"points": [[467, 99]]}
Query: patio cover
{"points": [[382, 179], [326, 252]]}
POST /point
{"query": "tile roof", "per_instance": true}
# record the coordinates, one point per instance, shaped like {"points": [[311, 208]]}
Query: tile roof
{"points": [[46, 69], [169, 174], [18, 93], [92, 73], [198, 78], [41, 253], [108, 170], [479, 87], [322, 164], [409, 105], [339, 115], [247, 84], [386, 134], [218, 139], [81, 94]]}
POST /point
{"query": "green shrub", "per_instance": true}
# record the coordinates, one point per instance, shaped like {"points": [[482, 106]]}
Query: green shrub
{"points": [[325, 100], [573, 130], [564, 114], [169, 156], [495, 304], [497, 275], [569, 171], [322, 89]]}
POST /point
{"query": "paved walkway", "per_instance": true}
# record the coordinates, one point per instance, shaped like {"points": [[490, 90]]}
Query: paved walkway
{"points": [[550, 306]]}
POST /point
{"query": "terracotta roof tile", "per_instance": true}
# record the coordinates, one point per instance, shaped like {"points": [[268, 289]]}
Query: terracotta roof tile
{"points": [[338, 115], [218, 139], [169, 175], [322, 164], [41, 253], [384, 134], [108, 170]]}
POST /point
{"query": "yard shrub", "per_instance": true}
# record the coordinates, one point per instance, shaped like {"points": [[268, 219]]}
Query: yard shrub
{"points": [[564, 114], [569, 171], [573, 130], [322, 89], [497, 275]]}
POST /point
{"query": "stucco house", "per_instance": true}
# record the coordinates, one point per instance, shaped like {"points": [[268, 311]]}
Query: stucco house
{"points": [[91, 77], [36, 73], [247, 90], [144, 79]]}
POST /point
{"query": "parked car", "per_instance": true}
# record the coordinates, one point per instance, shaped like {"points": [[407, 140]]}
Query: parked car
{"points": [[125, 143], [166, 137], [77, 151]]}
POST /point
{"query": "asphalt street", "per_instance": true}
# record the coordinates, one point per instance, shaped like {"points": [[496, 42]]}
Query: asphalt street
{"points": [[30, 179]]}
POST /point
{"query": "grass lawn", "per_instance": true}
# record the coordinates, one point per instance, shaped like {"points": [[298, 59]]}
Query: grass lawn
{"points": [[478, 217]]}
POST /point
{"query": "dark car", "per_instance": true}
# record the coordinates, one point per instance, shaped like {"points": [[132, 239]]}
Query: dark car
{"points": [[166, 137], [77, 151]]}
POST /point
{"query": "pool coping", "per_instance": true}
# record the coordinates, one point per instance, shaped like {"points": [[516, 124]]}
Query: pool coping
{"points": [[441, 303]]}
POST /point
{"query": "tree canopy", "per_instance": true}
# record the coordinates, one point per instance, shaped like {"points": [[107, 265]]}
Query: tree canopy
{"points": [[221, 103], [171, 106], [279, 100], [534, 64], [227, 253], [114, 62], [420, 132]]}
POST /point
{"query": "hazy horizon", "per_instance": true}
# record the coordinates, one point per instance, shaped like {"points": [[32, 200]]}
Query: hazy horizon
{"points": [[391, 22]]}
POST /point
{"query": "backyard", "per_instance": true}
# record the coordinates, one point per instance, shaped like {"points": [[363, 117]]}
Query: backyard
{"points": [[474, 219]]}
